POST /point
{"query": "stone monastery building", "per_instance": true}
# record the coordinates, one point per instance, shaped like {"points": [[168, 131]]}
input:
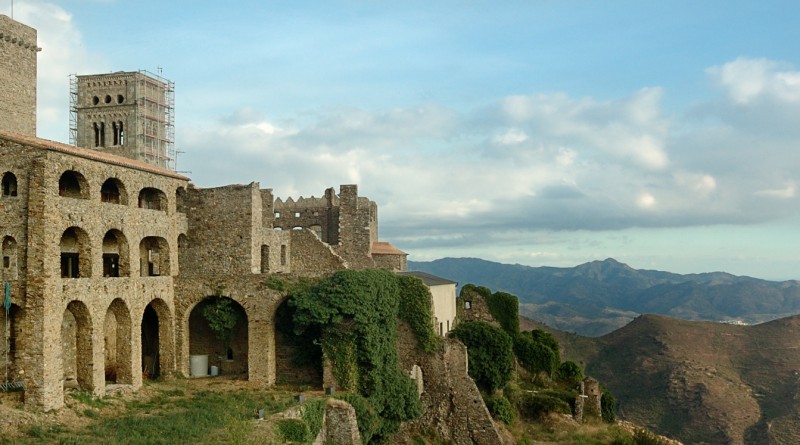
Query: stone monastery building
{"points": [[108, 254]]}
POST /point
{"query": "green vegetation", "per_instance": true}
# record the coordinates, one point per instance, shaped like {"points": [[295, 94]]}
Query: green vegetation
{"points": [[491, 354], [570, 373], [222, 315], [536, 352], [356, 314], [416, 310]]}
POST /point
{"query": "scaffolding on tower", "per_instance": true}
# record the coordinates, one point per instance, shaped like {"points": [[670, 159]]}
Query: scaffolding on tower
{"points": [[155, 116], [73, 109]]}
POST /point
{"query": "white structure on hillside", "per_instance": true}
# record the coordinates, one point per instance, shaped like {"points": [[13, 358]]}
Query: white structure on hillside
{"points": [[443, 292]]}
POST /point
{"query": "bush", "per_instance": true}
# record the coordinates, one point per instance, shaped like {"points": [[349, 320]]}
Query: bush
{"points": [[504, 307], [535, 356], [313, 414], [366, 417], [500, 408], [416, 310], [608, 406], [570, 373], [293, 430], [537, 405], [491, 355]]}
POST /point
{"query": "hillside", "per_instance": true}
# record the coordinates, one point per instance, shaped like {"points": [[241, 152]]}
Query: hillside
{"points": [[701, 382], [598, 297]]}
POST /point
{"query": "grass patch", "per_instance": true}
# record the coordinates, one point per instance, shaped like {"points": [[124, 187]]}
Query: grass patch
{"points": [[88, 399]]}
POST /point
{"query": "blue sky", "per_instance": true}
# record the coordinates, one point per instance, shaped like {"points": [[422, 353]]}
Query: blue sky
{"points": [[663, 134]]}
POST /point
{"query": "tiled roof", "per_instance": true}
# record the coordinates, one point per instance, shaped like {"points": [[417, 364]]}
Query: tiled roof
{"points": [[428, 279], [94, 155], [384, 248]]}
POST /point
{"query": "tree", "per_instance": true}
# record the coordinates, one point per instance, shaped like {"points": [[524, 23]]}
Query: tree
{"points": [[222, 316]]}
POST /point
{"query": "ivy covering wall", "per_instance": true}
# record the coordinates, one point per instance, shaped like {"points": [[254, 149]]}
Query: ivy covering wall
{"points": [[356, 314]]}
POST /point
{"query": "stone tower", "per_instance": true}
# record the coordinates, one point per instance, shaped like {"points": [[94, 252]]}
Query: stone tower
{"points": [[129, 114], [17, 77]]}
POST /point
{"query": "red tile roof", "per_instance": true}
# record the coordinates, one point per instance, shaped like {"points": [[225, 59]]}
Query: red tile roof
{"points": [[384, 248], [94, 155]]}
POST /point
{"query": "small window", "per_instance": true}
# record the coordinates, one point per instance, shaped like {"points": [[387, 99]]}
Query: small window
{"points": [[69, 265], [297, 228], [108, 99], [9, 184], [277, 214], [467, 305], [283, 255], [297, 214], [6, 262], [120, 98], [95, 100], [230, 354], [264, 258], [110, 265]]}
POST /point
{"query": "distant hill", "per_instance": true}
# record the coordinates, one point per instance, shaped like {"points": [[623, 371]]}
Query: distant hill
{"points": [[700, 382], [598, 297]]}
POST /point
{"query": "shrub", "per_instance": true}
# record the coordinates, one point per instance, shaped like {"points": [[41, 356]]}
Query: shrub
{"points": [[293, 430], [416, 310], [491, 356], [570, 373], [535, 356], [313, 415], [537, 405], [608, 406], [365, 415], [500, 408]]}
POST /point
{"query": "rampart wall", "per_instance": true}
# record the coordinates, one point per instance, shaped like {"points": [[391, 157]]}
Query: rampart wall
{"points": [[18, 52]]}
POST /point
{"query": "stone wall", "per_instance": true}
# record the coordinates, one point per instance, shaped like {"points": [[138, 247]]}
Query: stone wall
{"points": [[452, 404], [310, 256], [18, 51]]}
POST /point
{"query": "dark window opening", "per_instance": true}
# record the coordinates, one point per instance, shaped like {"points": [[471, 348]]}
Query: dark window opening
{"points": [[95, 100], [264, 259], [151, 198], [9, 184], [69, 265], [152, 263], [110, 265], [6, 262], [230, 354], [121, 133], [69, 185], [102, 134], [120, 98], [283, 255], [96, 134], [109, 192], [116, 133], [108, 99]]}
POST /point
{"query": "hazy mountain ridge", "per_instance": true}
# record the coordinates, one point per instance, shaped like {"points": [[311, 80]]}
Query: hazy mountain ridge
{"points": [[700, 382], [597, 297]]}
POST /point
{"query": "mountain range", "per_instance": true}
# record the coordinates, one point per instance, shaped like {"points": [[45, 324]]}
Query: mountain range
{"points": [[598, 297]]}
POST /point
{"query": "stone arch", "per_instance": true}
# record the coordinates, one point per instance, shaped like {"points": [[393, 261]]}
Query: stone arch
{"points": [[298, 361], [72, 184], [76, 340], [113, 191], [152, 198], [154, 256], [9, 184], [157, 339], [232, 359], [117, 335], [11, 344], [10, 254], [116, 254], [76, 258]]}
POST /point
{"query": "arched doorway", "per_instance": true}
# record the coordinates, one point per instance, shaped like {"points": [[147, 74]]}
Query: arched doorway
{"points": [[154, 255], [228, 350], [298, 360], [76, 344], [157, 355], [117, 335], [115, 254]]}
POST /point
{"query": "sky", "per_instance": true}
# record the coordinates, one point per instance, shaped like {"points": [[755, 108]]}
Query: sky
{"points": [[663, 134]]}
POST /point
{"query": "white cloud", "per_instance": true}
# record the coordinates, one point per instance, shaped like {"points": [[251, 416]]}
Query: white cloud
{"points": [[747, 79], [646, 200], [787, 192]]}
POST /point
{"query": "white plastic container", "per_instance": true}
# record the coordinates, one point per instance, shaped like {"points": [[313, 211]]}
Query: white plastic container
{"points": [[198, 365], [214, 371]]}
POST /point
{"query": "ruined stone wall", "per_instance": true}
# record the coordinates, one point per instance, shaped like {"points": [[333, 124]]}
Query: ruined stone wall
{"points": [[355, 228], [220, 232], [390, 262], [321, 215], [311, 257], [452, 404], [472, 307], [18, 53]]}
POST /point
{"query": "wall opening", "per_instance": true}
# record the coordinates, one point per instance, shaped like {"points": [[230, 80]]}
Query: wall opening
{"points": [[75, 254], [117, 335], [154, 255], [232, 359], [9, 184], [116, 255], [76, 340], [298, 360], [10, 268], [73, 185], [113, 191], [157, 335], [283, 255], [264, 258], [10, 346], [153, 199]]}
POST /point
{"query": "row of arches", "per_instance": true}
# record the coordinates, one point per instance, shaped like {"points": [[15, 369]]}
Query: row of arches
{"points": [[76, 255], [72, 184]]}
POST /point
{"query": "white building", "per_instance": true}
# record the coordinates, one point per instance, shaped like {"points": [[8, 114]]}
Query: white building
{"points": [[443, 292]]}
